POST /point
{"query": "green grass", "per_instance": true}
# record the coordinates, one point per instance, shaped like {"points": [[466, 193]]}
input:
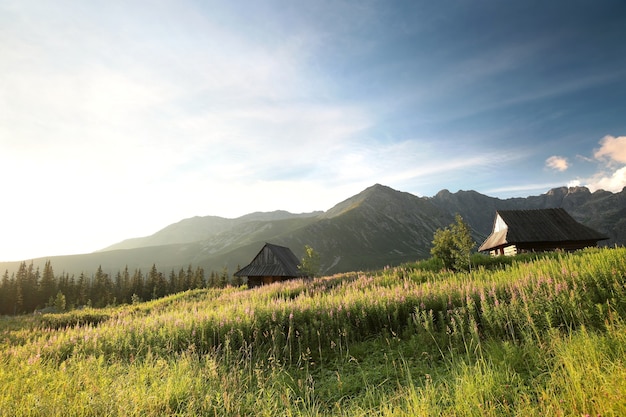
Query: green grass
{"points": [[538, 336]]}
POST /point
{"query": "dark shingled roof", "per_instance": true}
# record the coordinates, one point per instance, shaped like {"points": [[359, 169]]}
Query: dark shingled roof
{"points": [[544, 225], [274, 261]]}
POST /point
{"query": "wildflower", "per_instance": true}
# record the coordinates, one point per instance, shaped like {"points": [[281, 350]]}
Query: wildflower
{"points": [[34, 359]]}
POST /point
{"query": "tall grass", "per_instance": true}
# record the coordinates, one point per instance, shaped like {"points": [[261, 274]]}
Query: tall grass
{"points": [[530, 338]]}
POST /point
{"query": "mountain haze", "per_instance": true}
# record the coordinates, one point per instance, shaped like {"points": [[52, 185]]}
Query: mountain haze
{"points": [[379, 226], [199, 228]]}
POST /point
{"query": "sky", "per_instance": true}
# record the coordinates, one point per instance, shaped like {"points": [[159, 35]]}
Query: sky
{"points": [[119, 118]]}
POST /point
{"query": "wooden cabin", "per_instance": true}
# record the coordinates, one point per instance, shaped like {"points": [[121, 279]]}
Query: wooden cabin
{"points": [[272, 264], [519, 231]]}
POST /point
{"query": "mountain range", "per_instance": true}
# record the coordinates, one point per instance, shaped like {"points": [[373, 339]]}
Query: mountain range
{"points": [[377, 227]]}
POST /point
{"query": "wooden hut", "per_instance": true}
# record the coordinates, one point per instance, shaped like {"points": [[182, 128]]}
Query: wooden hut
{"points": [[272, 264], [518, 231]]}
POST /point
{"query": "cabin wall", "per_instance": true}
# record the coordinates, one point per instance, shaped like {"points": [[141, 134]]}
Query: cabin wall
{"points": [[499, 224], [553, 246], [266, 280], [255, 282], [512, 250]]}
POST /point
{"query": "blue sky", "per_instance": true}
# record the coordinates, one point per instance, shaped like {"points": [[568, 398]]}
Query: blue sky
{"points": [[118, 118]]}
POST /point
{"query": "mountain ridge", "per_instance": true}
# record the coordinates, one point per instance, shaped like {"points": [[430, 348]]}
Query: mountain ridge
{"points": [[376, 227], [196, 228]]}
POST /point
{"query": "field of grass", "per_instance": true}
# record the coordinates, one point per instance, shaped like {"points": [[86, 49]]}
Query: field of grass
{"points": [[531, 338]]}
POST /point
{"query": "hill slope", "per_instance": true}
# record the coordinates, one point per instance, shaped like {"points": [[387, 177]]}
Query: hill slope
{"points": [[403, 341]]}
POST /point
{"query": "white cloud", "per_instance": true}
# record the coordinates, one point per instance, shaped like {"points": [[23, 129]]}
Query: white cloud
{"points": [[557, 163], [612, 149], [614, 182], [612, 173]]}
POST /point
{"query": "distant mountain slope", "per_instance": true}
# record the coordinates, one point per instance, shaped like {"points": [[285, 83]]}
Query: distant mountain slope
{"points": [[200, 228], [379, 226]]}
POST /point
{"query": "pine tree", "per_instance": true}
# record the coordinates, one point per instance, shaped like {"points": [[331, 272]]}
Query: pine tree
{"points": [[189, 278], [67, 285], [102, 290], [237, 279], [172, 287], [198, 278], [126, 286], [48, 284], [137, 287], [156, 282], [213, 280], [223, 280], [181, 281], [27, 279], [7, 293]]}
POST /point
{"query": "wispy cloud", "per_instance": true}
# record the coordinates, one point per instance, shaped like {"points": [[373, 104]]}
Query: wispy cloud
{"points": [[516, 189]]}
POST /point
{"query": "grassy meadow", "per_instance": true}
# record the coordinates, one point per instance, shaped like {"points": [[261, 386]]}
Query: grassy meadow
{"points": [[532, 337]]}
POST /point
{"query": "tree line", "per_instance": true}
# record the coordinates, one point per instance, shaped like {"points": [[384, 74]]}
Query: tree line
{"points": [[30, 289]]}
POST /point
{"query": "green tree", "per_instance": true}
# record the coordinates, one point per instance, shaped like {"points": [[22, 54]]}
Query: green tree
{"points": [[8, 294], [102, 289], [199, 280], [213, 280], [181, 281], [156, 283], [82, 290], [27, 280], [48, 284], [310, 263], [137, 284], [172, 282], [237, 280], [59, 301], [224, 278], [453, 245]]}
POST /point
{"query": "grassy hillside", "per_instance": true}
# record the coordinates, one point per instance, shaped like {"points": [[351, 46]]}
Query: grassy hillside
{"points": [[542, 337]]}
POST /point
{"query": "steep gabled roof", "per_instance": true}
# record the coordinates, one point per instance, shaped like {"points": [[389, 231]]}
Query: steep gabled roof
{"points": [[272, 260], [513, 227]]}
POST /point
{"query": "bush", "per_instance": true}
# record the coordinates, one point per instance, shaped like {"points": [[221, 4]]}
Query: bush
{"points": [[453, 245]]}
